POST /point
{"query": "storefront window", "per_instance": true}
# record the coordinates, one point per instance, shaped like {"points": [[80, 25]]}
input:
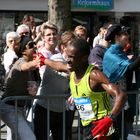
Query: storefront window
{"points": [[6, 25], [40, 17]]}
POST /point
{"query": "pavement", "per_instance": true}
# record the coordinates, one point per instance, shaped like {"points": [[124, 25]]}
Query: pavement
{"points": [[133, 137]]}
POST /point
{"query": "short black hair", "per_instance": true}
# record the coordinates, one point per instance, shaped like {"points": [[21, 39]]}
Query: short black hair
{"points": [[115, 29], [81, 45], [24, 41]]}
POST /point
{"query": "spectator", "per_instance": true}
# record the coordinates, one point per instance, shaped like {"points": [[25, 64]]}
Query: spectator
{"points": [[12, 50], [54, 83], [38, 36], [116, 73], [29, 20], [100, 37], [23, 30], [16, 85], [81, 31], [12, 44], [97, 53], [119, 68], [32, 22], [49, 34], [26, 20]]}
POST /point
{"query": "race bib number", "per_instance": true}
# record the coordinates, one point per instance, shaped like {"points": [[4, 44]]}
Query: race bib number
{"points": [[84, 107]]}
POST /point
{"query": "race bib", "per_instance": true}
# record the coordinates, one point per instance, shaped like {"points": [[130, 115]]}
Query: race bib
{"points": [[84, 107]]}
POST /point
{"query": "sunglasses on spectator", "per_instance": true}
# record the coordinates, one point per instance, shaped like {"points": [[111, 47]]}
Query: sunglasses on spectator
{"points": [[31, 45]]}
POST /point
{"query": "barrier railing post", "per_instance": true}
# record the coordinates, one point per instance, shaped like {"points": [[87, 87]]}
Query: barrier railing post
{"points": [[79, 128], [16, 113], [137, 108], [0, 129], [64, 120], [48, 118], [32, 122], [122, 133]]}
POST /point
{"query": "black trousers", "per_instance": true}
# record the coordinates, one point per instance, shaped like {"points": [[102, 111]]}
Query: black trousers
{"points": [[56, 124], [87, 133]]}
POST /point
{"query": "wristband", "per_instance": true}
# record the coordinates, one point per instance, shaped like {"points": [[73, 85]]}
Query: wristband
{"points": [[113, 117]]}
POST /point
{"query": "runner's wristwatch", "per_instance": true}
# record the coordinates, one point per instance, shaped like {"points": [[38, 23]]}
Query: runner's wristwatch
{"points": [[113, 117]]}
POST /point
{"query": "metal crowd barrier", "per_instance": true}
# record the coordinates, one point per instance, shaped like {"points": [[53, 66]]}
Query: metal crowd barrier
{"points": [[77, 135], [47, 98], [136, 124]]}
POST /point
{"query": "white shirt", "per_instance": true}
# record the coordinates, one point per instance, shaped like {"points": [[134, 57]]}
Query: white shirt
{"points": [[47, 54], [97, 40], [9, 56]]}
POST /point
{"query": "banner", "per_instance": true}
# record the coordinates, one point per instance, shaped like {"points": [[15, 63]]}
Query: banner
{"points": [[92, 4]]}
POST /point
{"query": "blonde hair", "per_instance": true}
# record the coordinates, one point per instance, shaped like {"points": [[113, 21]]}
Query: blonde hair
{"points": [[66, 37], [80, 27], [48, 25]]}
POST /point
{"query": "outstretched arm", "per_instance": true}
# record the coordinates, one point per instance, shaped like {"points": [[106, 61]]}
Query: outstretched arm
{"points": [[30, 65], [57, 65]]}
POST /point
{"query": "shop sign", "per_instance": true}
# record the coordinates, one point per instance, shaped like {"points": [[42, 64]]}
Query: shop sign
{"points": [[92, 4]]}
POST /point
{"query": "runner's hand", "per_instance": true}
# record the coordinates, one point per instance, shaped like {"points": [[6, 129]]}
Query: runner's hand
{"points": [[101, 128]]}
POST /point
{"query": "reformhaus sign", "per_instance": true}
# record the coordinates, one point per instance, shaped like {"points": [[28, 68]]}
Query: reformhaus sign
{"points": [[92, 4]]}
